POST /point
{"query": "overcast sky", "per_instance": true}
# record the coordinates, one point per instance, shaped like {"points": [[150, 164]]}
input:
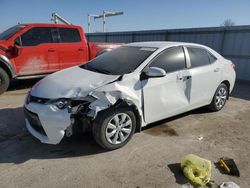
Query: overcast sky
{"points": [[138, 14]]}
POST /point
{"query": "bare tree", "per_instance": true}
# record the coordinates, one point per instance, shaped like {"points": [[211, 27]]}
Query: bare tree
{"points": [[227, 23]]}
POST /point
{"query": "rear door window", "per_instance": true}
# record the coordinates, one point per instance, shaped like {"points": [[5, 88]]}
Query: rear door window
{"points": [[198, 57], [69, 35], [211, 58], [55, 34], [36, 36], [172, 59]]}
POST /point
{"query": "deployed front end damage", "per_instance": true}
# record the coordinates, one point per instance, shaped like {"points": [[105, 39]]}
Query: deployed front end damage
{"points": [[112, 95], [64, 116], [108, 96], [50, 125]]}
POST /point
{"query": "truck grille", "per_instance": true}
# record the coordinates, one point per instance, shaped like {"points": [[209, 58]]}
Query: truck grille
{"points": [[34, 121]]}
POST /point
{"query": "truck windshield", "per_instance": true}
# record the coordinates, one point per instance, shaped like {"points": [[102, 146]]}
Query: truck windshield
{"points": [[10, 32], [122, 60]]}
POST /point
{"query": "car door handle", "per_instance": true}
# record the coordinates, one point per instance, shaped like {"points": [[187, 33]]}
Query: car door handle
{"points": [[217, 70], [179, 76], [51, 50], [182, 77], [80, 49], [187, 77]]}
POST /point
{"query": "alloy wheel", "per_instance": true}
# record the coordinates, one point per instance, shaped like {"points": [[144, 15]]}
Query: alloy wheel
{"points": [[221, 97], [119, 128]]}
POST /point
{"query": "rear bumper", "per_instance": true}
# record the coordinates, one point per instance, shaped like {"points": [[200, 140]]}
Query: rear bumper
{"points": [[46, 123]]}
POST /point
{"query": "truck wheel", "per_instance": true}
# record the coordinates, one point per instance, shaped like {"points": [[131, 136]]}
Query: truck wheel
{"points": [[4, 81], [220, 98], [114, 127]]}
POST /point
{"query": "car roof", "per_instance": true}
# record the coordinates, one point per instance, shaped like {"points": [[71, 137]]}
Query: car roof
{"points": [[161, 44], [49, 25], [166, 44]]}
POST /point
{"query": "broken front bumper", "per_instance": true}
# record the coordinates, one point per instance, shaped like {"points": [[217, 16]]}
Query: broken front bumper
{"points": [[46, 123]]}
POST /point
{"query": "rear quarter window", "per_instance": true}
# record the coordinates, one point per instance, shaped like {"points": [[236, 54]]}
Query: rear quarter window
{"points": [[211, 57], [198, 57]]}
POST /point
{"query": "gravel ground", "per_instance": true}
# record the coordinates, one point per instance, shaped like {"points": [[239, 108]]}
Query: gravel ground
{"points": [[150, 159]]}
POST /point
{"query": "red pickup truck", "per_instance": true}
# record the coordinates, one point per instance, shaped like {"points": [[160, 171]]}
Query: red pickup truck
{"points": [[30, 50]]}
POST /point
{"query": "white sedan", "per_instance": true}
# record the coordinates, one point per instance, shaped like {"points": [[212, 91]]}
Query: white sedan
{"points": [[122, 91]]}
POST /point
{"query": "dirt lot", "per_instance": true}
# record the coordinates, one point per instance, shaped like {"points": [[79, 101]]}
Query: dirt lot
{"points": [[149, 160]]}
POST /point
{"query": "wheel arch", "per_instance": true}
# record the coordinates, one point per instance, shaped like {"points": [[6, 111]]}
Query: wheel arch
{"points": [[227, 83], [7, 66], [130, 104]]}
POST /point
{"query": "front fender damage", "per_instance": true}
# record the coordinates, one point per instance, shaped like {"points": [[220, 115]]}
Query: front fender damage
{"points": [[110, 96], [88, 107]]}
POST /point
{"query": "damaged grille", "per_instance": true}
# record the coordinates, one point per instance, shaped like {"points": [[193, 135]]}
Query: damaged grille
{"points": [[80, 107], [79, 102], [34, 121]]}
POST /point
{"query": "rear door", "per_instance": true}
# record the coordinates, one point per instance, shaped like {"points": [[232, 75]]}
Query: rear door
{"points": [[206, 75], [168, 95], [72, 50], [38, 53]]}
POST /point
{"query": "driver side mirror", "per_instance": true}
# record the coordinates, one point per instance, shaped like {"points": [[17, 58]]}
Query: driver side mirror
{"points": [[15, 48], [154, 72], [17, 42]]}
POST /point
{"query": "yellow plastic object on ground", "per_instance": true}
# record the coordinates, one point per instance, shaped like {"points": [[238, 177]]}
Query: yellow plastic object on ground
{"points": [[196, 169]]}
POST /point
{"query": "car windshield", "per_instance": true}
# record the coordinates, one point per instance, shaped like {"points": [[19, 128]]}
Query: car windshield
{"points": [[10, 32], [122, 60]]}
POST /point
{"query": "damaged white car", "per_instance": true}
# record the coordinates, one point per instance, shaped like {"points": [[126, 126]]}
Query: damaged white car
{"points": [[122, 91]]}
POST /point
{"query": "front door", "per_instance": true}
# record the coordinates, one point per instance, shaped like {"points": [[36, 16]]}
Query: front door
{"points": [[168, 95], [38, 53]]}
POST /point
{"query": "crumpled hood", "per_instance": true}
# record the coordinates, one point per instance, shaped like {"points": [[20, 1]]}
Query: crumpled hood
{"points": [[69, 83]]}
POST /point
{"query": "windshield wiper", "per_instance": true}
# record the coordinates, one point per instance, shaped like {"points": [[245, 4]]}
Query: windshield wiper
{"points": [[103, 71], [88, 67]]}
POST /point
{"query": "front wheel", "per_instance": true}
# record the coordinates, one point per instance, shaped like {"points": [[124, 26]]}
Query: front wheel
{"points": [[4, 81], [220, 98], [114, 128]]}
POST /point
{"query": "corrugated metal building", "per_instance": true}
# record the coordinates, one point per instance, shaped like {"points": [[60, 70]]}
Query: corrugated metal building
{"points": [[232, 42]]}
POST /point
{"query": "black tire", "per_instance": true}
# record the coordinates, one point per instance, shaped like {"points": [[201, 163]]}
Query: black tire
{"points": [[101, 122], [4, 81], [213, 106]]}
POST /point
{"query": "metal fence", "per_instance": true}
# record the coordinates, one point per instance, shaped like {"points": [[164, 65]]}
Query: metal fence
{"points": [[232, 42]]}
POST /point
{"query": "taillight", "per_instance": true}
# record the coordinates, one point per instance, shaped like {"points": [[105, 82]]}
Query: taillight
{"points": [[233, 66]]}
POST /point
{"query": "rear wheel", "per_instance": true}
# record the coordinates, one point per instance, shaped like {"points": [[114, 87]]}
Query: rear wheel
{"points": [[220, 98], [4, 81], [114, 128]]}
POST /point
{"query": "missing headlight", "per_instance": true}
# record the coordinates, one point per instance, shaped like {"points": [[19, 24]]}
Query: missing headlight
{"points": [[60, 103]]}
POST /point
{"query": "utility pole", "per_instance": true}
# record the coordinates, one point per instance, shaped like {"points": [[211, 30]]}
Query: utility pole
{"points": [[56, 18], [104, 22], [89, 17], [104, 15]]}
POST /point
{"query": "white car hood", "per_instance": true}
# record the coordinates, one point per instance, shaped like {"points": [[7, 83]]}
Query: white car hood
{"points": [[69, 83]]}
